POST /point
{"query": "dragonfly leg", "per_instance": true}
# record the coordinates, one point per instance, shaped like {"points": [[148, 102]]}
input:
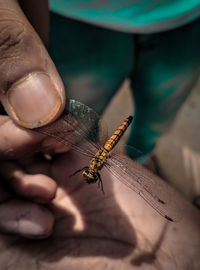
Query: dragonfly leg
{"points": [[100, 182], [80, 170]]}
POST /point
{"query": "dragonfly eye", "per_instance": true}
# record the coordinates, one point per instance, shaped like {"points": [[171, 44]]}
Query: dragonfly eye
{"points": [[86, 174]]}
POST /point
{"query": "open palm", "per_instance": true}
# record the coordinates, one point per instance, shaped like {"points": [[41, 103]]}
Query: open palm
{"points": [[117, 230]]}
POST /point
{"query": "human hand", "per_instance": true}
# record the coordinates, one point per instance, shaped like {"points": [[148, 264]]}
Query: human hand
{"points": [[32, 94], [117, 230], [31, 90]]}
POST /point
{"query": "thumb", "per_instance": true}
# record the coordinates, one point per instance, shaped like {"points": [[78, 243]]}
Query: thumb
{"points": [[31, 90]]}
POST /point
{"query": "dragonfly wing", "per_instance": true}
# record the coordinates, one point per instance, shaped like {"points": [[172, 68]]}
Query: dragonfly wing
{"points": [[151, 188], [78, 128], [64, 131], [90, 126]]}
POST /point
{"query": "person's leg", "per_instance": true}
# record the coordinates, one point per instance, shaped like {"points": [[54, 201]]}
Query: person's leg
{"points": [[93, 62], [167, 67]]}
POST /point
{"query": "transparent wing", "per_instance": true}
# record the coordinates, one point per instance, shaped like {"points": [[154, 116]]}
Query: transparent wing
{"points": [[150, 187], [90, 126], [79, 127], [125, 148]]}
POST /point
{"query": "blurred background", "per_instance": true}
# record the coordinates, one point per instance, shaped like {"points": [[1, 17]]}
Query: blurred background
{"points": [[102, 58], [178, 151]]}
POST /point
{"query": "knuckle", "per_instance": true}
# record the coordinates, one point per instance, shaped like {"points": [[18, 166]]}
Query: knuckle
{"points": [[11, 38], [18, 44]]}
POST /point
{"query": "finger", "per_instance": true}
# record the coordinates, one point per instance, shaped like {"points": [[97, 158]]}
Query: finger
{"points": [[17, 142], [37, 187], [51, 146], [26, 219], [4, 194], [37, 13], [31, 90]]}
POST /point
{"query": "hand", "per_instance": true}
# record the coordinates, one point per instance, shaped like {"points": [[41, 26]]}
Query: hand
{"points": [[32, 94], [117, 230], [31, 90]]}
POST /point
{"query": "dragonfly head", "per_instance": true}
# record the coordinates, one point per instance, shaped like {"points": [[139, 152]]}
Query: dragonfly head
{"points": [[89, 176]]}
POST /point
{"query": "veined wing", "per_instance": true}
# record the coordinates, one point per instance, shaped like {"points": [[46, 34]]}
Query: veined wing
{"points": [[78, 128], [151, 188]]}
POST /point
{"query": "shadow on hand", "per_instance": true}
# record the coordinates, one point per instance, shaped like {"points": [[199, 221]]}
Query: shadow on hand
{"points": [[88, 223]]}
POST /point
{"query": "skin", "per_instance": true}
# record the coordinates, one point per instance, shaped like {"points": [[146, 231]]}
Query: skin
{"points": [[92, 230], [23, 55], [38, 199]]}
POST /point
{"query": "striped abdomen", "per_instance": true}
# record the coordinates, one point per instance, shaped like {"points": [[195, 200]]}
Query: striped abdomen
{"points": [[99, 159], [101, 156], [110, 144]]}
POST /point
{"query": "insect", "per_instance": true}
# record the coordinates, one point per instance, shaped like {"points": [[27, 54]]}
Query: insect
{"points": [[79, 127], [91, 173]]}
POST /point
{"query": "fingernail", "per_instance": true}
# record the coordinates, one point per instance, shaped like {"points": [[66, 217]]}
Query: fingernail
{"points": [[34, 100]]}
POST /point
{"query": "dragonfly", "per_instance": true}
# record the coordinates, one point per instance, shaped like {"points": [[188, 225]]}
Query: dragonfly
{"points": [[80, 128], [91, 173]]}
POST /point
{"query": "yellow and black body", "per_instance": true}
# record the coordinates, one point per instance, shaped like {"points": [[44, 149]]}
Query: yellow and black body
{"points": [[91, 172]]}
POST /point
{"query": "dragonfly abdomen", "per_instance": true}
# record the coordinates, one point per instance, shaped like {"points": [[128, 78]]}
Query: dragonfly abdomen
{"points": [[114, 139], [101, 156]]}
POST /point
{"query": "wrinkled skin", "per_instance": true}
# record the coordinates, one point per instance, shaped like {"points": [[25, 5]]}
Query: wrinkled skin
{"points": [[23, 56], [117, 230], [37, 198]]}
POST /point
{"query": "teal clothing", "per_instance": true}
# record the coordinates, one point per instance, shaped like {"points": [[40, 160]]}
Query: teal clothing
{"points": [[135, 16], [163, 67]]}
